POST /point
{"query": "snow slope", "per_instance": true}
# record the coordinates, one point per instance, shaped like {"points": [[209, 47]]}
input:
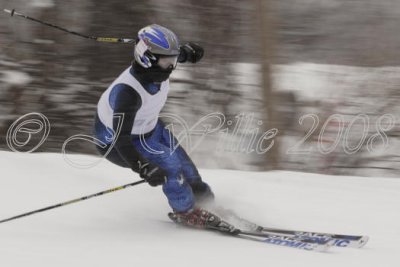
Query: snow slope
{"points": [[130, 227]]}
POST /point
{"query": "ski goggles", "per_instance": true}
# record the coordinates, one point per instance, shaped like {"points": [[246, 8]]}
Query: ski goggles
{"points": [[167, 62]]}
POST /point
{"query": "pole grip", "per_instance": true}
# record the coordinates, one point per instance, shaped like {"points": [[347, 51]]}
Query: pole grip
{"points": [[11, 12]]}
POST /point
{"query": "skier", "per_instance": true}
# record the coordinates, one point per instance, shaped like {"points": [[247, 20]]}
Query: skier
{"points": [[131, 106]]}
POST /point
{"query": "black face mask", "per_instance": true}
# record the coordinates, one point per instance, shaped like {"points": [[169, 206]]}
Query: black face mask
{"points": [[154, 74]]}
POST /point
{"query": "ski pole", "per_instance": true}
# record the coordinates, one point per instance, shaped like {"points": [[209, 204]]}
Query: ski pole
{"points": [[73, 201], [98, 39]]}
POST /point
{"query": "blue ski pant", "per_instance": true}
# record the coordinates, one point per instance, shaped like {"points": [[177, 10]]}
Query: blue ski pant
{"points": [[184, 182]]}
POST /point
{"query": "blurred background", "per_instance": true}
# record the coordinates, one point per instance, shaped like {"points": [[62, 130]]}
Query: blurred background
{"points": [[324, 73]]}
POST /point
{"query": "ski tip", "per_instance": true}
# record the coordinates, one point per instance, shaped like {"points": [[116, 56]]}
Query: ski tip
{"points": [[359, 243], [346, 243], [363, 241]]}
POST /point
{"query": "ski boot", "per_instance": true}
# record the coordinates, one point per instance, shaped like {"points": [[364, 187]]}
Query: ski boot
{"points": [[203, 219]]}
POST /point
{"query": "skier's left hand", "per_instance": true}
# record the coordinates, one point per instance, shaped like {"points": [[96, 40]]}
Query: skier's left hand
{"points": [[190, 52]]}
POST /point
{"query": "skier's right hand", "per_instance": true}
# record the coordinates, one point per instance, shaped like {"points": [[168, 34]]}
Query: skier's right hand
{"points": [[190, 52], [153, 174]]}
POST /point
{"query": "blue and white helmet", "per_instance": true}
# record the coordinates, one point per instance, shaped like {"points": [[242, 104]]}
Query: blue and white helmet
{"points": [[155, 41]]}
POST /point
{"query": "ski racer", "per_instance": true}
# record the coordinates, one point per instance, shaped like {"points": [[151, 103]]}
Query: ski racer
{"points": [[129, 129]]}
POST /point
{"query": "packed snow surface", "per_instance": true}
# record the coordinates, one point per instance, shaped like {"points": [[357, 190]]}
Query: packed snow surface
{"points": [[131, 227]]}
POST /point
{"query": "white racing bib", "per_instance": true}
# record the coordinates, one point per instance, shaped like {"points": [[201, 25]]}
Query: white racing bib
{"points": [[147, 116]]}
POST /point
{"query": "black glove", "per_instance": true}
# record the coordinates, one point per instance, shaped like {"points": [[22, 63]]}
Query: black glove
{"points": [[190, 52], [153, 174]]}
